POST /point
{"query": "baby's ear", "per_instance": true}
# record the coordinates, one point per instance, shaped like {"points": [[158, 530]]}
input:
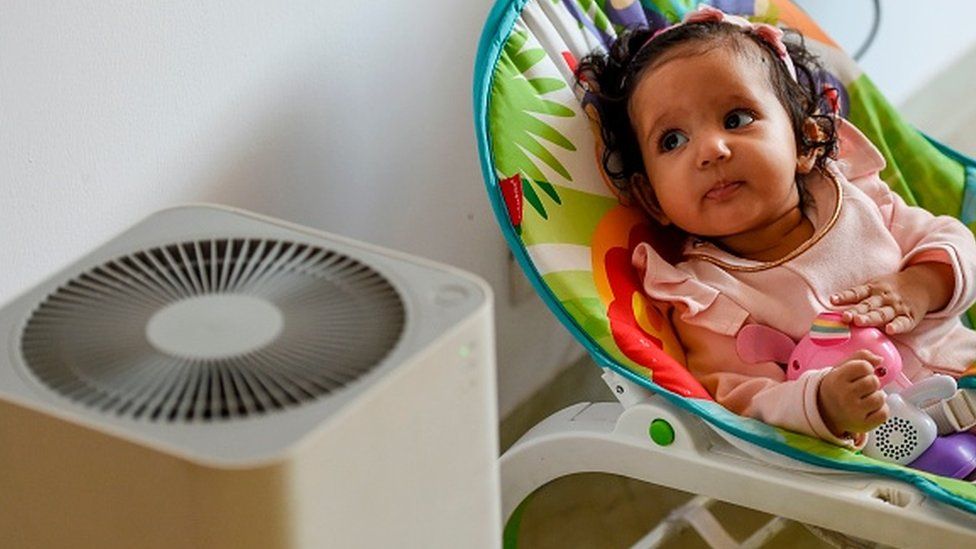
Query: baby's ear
{"points": [[806, 161], [812, 133], [647, 199]]}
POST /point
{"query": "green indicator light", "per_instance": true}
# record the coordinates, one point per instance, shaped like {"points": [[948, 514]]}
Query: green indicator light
{"points": [[464, 351], [661, 432]]}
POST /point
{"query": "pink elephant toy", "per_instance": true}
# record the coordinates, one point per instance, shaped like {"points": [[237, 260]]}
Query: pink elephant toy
{"points": [[829, 342]]}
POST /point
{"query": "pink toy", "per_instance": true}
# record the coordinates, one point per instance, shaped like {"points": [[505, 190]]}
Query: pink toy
{"points": [[829, 342], [909, 437]]}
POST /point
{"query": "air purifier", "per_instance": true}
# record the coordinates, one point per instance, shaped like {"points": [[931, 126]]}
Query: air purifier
{"points": [[214, 378]]}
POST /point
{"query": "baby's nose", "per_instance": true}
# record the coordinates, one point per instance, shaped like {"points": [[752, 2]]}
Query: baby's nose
{"points": [[712, 151]]}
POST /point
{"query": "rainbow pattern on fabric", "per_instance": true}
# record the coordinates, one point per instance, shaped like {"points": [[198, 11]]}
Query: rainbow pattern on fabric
{"points": [[829, 327]]}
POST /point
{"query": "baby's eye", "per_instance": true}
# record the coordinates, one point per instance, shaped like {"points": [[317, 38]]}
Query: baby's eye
{"points": [[738, 119], [672, 140]]}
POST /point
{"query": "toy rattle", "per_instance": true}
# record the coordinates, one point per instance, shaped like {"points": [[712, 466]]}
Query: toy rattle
{"points": [[909, 436]]}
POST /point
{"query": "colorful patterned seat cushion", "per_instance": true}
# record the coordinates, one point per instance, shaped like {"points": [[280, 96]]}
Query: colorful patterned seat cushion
{"points": [[540, 155]]}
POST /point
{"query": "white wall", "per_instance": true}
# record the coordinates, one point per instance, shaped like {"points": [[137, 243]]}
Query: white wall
{"points": [[352, 117]]}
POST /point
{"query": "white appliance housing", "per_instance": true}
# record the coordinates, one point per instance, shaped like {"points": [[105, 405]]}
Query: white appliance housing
{"points": [[400, 453]]}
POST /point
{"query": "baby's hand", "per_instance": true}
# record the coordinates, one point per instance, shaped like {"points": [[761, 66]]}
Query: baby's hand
{"points": [[895, 302], [850, 397]]}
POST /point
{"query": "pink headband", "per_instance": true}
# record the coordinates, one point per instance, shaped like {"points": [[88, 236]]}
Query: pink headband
{"points": [[768, 33]]}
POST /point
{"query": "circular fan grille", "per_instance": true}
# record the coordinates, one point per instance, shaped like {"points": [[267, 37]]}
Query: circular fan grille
{"points": [[213, 329]]}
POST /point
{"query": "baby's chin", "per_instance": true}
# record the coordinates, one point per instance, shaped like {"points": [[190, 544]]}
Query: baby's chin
{"points": [[717, 231]]}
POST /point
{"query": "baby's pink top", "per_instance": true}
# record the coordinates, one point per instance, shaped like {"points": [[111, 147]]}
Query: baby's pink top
{"points": [[874, 233]]}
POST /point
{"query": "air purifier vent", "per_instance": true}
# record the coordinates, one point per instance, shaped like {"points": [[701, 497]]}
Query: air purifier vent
{"points": [[209, 330]]}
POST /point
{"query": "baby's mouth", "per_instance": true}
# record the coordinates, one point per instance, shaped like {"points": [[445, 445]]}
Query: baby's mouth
{"points": [[723, 189]]}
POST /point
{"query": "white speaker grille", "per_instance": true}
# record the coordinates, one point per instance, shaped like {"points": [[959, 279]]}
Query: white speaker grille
{"points": [[897, 438], [215, 329]]}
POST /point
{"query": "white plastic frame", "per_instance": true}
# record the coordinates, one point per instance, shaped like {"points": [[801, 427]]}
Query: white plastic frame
{"points": [[613, 438]]}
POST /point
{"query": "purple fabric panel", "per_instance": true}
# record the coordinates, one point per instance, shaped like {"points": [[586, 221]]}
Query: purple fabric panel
{"points": [[584, 20], [631, 16], [736, 7]]}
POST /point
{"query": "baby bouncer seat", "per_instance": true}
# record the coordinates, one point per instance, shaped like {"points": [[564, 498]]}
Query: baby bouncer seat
{"points": [[572, 237]]}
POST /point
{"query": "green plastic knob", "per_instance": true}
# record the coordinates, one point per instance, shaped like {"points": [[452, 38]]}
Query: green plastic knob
{"points": [[662, 433]]}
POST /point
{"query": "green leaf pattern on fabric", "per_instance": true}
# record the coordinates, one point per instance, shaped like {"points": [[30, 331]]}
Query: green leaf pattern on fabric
{"points": [[575, 222], [569, 285], [517, 100], [582, 309]]}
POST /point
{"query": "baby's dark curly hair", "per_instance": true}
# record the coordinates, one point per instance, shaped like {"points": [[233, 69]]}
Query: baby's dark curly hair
{"points": [[610, 79]]}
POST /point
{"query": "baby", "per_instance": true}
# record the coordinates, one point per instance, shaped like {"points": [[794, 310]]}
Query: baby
{"points": [[721, 132]]}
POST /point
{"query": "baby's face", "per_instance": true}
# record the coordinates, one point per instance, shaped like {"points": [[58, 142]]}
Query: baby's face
{"points": [[718, 145]]}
